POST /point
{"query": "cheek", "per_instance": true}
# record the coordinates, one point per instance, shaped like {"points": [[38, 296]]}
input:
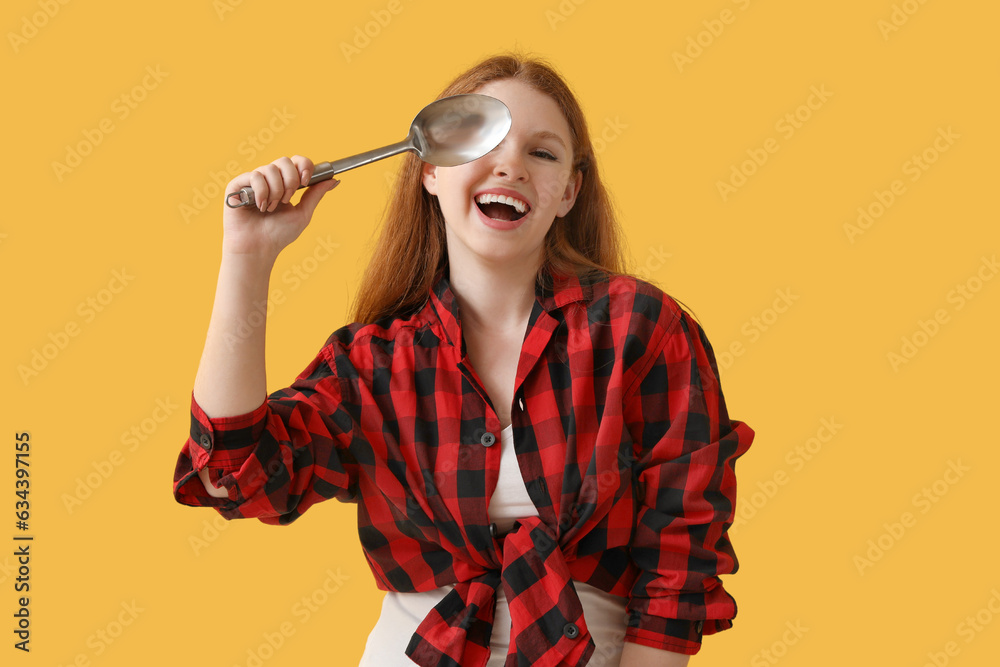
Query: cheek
{"points": [[455, 188], [457, 201], [550, 194]]}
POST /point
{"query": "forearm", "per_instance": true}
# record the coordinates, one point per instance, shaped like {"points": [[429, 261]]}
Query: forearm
{"points": [[639, 655], [231, 377]]}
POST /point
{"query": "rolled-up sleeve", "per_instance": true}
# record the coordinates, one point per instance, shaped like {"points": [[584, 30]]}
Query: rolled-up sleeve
{"points": [[686, 448], [292, 451]]}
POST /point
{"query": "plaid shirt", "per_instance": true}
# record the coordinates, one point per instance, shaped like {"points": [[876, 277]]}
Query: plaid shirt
{"points": [[622, 438]]}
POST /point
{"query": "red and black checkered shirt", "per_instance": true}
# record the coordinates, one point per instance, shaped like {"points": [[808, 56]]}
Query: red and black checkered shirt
{"points": [[622, 437]]}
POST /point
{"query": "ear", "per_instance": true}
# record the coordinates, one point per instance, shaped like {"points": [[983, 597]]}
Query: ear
{"points": [[569, 194], [429, 177]]}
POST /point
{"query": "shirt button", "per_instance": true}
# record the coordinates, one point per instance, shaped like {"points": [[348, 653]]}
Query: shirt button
{"points": [[698, 626], [493, 530], [570, 630], [205, 441], [487, 439]]}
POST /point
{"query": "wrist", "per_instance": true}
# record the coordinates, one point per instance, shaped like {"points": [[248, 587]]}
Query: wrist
{"points": [[258, 262]]}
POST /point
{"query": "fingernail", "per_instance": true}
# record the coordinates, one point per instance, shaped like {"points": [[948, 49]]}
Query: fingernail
{"points": [[335, 183]]}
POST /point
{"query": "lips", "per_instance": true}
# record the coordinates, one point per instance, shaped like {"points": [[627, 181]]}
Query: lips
{"points": [[500, 223], [502, 204]]}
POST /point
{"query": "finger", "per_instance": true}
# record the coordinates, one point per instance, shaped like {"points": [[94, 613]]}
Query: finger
{"points": [[275, 185], [312, 195], [260, 189], [290, 179], [305, 167]]}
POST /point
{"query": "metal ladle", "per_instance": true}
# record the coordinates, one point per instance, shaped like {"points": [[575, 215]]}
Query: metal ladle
{"points": [[447, 132]]}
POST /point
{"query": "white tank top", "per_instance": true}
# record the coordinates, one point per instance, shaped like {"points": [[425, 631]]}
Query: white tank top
{"points": [[403, 612]]}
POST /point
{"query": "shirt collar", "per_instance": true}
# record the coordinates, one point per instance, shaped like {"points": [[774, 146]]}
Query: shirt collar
{"points": [[557, 290]]}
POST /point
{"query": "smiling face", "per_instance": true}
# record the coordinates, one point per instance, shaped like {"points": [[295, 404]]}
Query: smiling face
{"points": [[500, 207]]}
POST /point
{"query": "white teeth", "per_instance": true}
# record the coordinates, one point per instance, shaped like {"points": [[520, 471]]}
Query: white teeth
{"points": [[519, 206]]}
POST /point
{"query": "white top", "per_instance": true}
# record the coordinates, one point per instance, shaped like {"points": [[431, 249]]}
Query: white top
{"points": [[403, 612]]}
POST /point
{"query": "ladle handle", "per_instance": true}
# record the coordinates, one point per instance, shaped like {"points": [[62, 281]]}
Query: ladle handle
{"points": [[326, 170]]}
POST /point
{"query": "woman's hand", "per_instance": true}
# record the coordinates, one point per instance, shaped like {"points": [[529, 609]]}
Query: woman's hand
{"points": [[264, 231]]}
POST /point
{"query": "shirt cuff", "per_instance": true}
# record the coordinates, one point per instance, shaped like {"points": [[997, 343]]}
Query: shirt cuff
{"points": [[220, 444], [679, 635]]}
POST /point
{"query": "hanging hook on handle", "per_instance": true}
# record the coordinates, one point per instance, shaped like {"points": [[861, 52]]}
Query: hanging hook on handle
{"points": [[322, 172]]}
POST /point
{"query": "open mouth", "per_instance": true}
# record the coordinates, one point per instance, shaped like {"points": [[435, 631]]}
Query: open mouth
{"points": [[502, 208]]}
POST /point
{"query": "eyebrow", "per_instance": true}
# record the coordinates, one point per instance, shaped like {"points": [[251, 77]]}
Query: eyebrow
{"points": [[546, 134]]}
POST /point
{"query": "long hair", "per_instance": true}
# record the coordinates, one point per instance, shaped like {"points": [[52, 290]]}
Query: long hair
{"points": [[413, 241]]}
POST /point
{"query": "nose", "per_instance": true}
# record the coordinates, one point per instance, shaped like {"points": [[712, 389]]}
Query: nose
{"points": [[508, 162]]}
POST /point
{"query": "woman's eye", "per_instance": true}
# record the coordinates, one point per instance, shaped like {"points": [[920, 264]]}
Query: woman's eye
{"points": [[545, 154]]}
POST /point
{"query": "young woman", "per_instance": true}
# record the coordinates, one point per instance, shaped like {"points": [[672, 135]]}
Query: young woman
{"points": [[537, 442]]}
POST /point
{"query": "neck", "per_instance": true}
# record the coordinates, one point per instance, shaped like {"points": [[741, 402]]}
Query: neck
{"points": [[495, 301]]}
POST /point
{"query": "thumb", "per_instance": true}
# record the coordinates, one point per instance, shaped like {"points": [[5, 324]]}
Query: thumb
{"points": [[312, 195]]}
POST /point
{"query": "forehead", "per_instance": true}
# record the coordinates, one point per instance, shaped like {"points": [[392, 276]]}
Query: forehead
{"points": [[530, 109]]}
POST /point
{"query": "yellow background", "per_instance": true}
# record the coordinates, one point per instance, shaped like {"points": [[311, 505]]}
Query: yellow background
{"points": [[672, 133]]}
